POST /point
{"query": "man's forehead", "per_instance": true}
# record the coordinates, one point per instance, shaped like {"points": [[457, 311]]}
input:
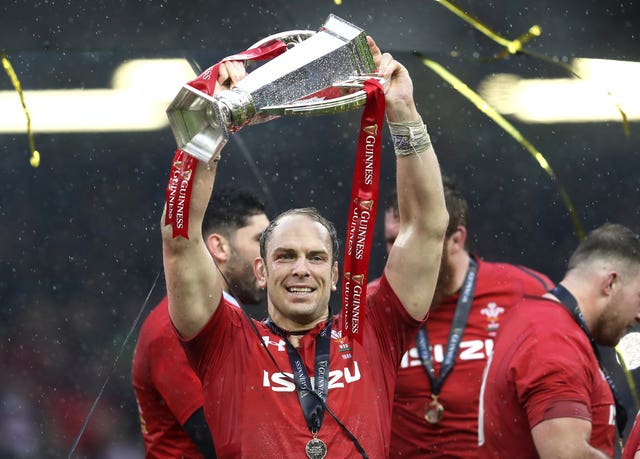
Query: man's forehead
{"points": [[293, 230], [256, 220]]}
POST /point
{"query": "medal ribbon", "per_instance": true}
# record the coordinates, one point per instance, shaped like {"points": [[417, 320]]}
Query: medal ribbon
{"points": [[362, 212], [312, 397], [463, 307], [178, 194], [569, 302]]}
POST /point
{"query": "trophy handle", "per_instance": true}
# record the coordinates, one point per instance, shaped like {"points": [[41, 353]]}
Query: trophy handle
{"points": [[329, 106], [289, 38]]}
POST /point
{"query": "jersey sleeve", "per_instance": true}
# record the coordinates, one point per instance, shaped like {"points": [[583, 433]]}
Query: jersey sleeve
{"points": [[632, 446], [394, 327], [174, 378], [552, 375]]}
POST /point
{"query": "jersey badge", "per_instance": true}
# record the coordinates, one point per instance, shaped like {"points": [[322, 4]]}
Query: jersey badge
{"points": [[493, 313]]}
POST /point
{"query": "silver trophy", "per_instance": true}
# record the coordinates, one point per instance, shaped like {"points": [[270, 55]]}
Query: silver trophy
{"points": [[320, 73]]}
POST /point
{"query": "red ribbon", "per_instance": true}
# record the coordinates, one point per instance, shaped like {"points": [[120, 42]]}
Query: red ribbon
{"points": [[183, 168], [178, 194], [362, 212]]}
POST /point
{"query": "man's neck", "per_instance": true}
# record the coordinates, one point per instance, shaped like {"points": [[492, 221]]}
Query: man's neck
{"points": [[294, 327], [295, 331], [460, 268], [584, 305]]}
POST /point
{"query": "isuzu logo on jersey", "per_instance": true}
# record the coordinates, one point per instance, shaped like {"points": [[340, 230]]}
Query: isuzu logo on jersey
{"points": [[283, 382], [492, 312], [474, 349]]}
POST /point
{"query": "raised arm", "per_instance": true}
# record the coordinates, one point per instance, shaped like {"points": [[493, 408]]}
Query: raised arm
{"points": [[414, 261], [194, 285]]}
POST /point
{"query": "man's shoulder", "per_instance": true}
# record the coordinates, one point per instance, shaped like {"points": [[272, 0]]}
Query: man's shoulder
{"points": [[374, 284], [540, 317], [157, 321], [508, 272], [227, 316]]}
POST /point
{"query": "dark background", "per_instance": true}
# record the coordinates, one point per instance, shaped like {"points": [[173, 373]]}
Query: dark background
{"points": [[81, 242]]}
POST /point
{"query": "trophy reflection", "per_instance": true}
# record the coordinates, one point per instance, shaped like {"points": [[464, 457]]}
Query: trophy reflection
{"points": [[319, 73]]}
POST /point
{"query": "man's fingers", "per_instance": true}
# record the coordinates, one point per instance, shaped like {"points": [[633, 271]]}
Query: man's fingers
{"points": [[387, 66], [223, 74], [375, 51], [236, 71], [230, 72]]}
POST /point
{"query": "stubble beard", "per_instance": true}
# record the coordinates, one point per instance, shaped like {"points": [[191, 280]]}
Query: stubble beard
{"points": [[443, 284], [243, 284]]}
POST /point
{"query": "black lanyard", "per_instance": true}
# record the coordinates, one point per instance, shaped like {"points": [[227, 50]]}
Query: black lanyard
{"points": [[455, 334], [312, 399], [569, 302]]}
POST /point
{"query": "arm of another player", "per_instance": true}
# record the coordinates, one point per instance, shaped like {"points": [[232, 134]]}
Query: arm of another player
{"points": [[562, 438]]}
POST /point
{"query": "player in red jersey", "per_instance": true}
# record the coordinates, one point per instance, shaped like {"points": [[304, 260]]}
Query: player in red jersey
{"points": [[544, 393], [269, 409], [437, 416], [168, 392], [632, 446]]}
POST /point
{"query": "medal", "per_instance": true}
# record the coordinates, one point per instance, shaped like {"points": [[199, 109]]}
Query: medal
{"points": [[316, 448], [433, 411]]}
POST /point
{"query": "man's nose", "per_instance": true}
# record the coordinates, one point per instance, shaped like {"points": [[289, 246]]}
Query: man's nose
{"points": [[301, 267]]}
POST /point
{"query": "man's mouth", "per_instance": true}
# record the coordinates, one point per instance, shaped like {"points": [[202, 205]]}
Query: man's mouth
{"points": [[299, 290]]}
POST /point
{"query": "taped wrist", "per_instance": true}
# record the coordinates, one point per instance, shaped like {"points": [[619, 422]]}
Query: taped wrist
{"points": [[410, 137]]}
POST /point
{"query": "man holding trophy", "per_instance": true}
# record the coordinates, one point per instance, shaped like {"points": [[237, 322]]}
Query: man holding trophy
{"points": [[300, 383]]}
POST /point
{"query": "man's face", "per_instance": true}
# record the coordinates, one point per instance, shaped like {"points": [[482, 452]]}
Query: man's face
{"points": [[298, 271], [621, 314], [245, 248]]}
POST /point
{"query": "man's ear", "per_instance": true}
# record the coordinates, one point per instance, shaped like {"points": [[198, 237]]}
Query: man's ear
{"points": [[610, 283], [334, 276], [218, 247], [457, 241], [260, 271]]}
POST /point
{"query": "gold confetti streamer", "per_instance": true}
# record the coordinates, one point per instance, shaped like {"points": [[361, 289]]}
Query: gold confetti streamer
{"points": [[512, 46], [485, 108], [516, 46], [35, 155]]}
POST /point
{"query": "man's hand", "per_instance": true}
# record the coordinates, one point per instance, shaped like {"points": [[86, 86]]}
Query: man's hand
{"points": [[229, 73], [399, 87]]}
